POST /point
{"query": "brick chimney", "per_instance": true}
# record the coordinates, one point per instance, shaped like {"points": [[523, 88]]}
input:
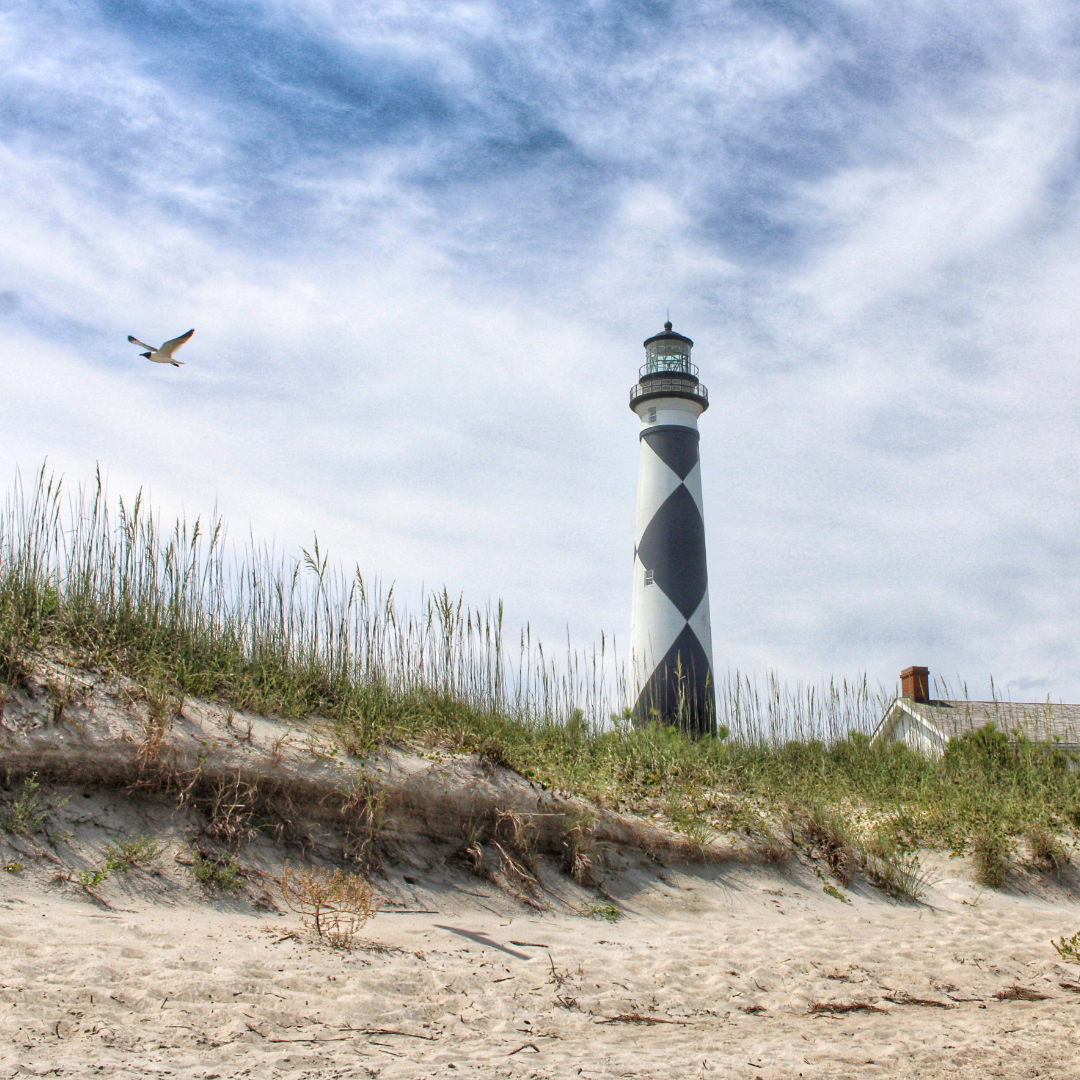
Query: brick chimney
{"points": [[915, 684]]}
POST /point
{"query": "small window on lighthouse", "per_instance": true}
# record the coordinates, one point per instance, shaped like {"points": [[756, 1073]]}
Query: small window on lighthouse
{"points": [[648, 577], [652, 416]]}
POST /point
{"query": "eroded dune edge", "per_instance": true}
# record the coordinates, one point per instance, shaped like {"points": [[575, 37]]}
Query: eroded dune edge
{"points": [[522, 931]]}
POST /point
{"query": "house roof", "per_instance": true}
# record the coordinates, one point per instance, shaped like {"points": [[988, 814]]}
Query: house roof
{"points": [[1038, 721]]}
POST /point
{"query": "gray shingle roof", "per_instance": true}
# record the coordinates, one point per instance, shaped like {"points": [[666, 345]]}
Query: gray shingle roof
{"points": [[1040, 722]]}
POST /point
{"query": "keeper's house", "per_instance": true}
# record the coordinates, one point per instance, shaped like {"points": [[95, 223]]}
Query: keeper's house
{"points": [[927, 725]]}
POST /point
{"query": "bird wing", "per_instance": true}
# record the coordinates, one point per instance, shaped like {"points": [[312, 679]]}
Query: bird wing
{"points": [[173, 344], [136, 341]]}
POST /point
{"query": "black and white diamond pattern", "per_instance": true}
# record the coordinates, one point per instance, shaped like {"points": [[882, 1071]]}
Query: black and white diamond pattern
{"points": [[671, 638]]}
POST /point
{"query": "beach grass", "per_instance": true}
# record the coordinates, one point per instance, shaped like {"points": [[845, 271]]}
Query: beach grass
{"points": [[183, 613]]}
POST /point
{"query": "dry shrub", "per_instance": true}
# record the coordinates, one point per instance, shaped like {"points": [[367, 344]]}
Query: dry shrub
{"points": [[775, 848], [498, 847], [1047, 852], [829, 837], [332, 903], [366, 815], [577, 846], [513, 840], [230, 806], [471, 853], [162, 708]]}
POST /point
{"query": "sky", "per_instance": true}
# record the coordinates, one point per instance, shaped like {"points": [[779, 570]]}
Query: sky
{"points": [[421, 243]]}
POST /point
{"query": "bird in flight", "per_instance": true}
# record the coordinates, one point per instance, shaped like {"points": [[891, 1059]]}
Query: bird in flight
{"points": [[164, 355]]}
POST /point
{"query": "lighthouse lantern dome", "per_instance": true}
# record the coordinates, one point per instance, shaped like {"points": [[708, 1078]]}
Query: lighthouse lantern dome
{"points": [[668, 351], [668, 371]]}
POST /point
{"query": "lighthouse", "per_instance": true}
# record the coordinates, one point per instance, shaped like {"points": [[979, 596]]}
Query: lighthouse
{"points": [[671, 677]]}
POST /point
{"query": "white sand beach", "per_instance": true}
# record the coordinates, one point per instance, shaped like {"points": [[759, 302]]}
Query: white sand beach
{"points": [[710, 971], [722, 967]]}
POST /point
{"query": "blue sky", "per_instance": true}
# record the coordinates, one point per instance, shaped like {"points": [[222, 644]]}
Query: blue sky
{"points": [[421, 245]]}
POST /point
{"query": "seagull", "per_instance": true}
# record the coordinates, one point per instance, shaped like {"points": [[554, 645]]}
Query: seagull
{"points": [[164, 355]]}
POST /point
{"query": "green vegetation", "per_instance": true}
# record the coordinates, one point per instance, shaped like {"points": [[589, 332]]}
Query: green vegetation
{"points": [[222, 874], [28, 813], [609, 912], [170, 609], [127, 854], [834, 892], [91, 879], [1068, 948], [992, 854]]}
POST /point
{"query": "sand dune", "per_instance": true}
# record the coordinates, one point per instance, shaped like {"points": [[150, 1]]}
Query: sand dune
{"points": [[720, 968]]}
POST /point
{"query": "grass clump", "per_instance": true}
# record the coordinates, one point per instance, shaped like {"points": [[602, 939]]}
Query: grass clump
{"points": [[991, 851], [577, 847], [220, 874], [609, 912], [896, 872], [829, 837], [128, 854], [29, 813], [1045, 851]]}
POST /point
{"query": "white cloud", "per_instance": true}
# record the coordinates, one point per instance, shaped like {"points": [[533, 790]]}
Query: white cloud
{"points": [[416, 341]]}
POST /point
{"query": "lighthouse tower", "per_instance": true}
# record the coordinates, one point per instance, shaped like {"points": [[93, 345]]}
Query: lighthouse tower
{"points": [[670, 634]]}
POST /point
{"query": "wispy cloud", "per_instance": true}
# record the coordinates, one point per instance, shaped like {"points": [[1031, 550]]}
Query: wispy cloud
{"points": [[420, 244]]}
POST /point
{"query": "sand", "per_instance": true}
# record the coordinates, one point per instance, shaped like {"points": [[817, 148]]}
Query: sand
{"points": [[710, 971], [721, 968]]}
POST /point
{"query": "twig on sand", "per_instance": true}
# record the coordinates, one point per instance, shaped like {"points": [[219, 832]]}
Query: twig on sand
{"points": [[1019, 993], [900, 997], [637, 1018], [835, 1008], [528, 1046], [531, 944], [386, 1031], [275, 1039]]}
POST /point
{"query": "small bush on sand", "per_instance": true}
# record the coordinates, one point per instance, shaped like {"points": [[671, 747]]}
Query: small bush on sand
{"points": [[29, 811], [1068, 948], [992, 853], [90, 879], [221, 874], [332, 903], [127, 854]]}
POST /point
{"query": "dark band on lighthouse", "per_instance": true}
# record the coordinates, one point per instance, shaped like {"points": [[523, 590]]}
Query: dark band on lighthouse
{"points": [[671, 637]]}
